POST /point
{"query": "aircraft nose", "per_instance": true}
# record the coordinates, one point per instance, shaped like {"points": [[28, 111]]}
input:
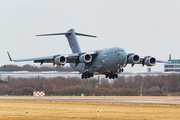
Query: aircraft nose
{"points": [[123, 58]]}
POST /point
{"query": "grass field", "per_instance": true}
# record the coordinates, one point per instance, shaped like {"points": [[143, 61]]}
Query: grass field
{"points": [[50, 110]]}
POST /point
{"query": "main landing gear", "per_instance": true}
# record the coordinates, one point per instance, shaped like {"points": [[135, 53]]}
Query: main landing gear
{"points": [[110, 75], [87, 75]]}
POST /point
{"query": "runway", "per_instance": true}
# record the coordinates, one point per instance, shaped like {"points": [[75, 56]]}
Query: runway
{"points": [[150, 100]]}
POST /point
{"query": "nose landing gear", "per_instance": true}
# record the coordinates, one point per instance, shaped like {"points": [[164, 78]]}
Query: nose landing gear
{"points": [[121, 70]]}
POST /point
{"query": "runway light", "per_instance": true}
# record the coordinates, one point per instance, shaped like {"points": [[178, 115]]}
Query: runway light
{"points": [[26, 112], [97, 112]]}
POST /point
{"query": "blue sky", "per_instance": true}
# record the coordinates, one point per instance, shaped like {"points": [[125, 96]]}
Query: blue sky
{"points": [[143, 27]]}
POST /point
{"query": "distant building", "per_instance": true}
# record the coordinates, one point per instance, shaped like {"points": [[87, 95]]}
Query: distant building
{"points": [[174, 66]]}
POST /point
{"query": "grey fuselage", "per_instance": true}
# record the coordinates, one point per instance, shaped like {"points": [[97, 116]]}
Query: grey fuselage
{"points": [[106, 60]]}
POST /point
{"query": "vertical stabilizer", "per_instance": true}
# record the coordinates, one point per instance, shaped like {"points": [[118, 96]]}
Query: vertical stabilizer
{"points": [[73, 43]]}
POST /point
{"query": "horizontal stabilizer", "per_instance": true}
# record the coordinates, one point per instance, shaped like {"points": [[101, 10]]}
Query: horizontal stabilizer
{"points": [[53, 34], [85, 35], [67, 33]]}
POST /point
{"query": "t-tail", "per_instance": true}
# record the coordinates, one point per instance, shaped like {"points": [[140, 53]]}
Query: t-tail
{"points": [[71, 36]]}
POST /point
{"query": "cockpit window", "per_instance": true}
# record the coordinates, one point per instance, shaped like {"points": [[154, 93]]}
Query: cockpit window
{"points": [[119, 50]]}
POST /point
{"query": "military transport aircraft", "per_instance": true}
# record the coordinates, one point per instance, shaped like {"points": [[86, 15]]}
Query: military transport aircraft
{"points": [[109, 62]]}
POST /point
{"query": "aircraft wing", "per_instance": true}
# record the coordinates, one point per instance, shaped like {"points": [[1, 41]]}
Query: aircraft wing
{"points": [[69, 58], [148, 57], [161, 61], [147, 60]]}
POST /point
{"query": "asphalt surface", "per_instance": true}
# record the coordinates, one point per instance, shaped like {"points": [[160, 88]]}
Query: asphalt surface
{"points": [[153, 100]]}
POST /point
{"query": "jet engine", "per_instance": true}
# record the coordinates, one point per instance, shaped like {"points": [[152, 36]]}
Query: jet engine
{"points": [[60, 60], [85, 58], [134, 59], [150, 61]]}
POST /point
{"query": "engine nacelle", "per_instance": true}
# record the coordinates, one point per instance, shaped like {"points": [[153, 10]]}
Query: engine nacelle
{"points": [[134, 59], [150, 61], [85, 58], [60, 60]]}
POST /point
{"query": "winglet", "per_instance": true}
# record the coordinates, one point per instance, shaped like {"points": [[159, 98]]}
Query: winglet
{"points": [[9, 56]]}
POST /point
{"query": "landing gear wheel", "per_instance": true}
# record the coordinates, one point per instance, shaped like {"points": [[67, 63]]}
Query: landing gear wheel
{"points": [[88, 76], [82, 76], [92, 74], [107, 75], [116, 76], [113, 76]]}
